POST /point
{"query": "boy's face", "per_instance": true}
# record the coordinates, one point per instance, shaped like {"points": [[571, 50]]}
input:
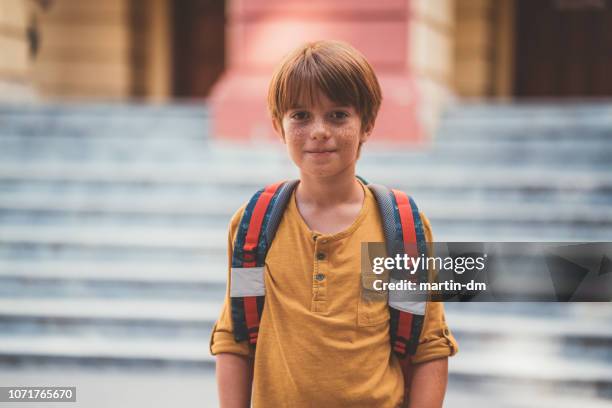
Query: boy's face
{"points": [[323, 139]]}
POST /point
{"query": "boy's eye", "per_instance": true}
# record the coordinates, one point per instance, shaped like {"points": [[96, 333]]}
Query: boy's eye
{"points": [[339, 115], [300, 115]]}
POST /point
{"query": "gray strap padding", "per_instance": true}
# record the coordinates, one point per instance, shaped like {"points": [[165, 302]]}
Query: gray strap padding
{"points": [[247, 282], [277, 211], [387, 213], [397, 299], [417, 308], [250, 281]]}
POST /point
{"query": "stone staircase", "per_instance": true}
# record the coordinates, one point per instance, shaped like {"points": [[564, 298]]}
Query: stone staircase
{"points": [[113, 231]]}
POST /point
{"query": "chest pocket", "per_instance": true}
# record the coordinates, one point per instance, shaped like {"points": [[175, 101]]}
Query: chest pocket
{"points": [[372, 308]]}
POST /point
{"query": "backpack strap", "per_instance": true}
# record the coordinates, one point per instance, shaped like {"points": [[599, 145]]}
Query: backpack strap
{"points": [[256, 231], [403, 229]]}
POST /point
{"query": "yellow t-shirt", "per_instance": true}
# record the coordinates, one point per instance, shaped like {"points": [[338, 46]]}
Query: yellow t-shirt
{"points": [[320, 344]]}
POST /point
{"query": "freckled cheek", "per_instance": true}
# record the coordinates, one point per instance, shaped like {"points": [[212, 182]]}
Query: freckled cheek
{"points": [[295, 141], [348, 138], [297, 136]]}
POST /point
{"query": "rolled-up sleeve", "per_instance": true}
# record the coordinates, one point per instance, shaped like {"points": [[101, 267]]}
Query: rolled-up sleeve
{"points": [[436, 340], [222, 336]]}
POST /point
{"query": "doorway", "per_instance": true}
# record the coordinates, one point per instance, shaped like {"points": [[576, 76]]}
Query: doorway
{"points": [[563, 48], [198, 46]]}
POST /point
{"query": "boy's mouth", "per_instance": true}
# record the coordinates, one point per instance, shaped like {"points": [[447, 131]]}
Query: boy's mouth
{"points": [[317, 151], [320, 154]]}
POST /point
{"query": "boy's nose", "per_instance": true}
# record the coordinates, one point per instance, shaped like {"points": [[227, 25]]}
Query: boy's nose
{"points": [[319, 131]]}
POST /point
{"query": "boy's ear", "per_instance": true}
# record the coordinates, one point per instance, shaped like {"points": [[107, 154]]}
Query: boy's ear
{"points": [[278, 129], [365, 135]]}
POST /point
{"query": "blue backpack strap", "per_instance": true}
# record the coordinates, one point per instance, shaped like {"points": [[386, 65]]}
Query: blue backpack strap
{"points": [[403, 230], [256, 231]]}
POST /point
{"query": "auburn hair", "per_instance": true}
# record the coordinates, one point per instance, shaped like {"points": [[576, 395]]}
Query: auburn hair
{"points": [[337, 69]]}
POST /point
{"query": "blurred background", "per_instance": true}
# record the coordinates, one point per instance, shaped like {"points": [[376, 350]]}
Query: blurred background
{"points": [[131, 130]]}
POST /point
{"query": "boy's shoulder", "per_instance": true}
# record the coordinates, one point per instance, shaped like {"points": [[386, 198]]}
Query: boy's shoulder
{"points": [[235, 220], [237, 216]]}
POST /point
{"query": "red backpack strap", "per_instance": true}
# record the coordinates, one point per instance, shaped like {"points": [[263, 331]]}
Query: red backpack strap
{"points": [[256, 231], [410, 314], [404, 233]]}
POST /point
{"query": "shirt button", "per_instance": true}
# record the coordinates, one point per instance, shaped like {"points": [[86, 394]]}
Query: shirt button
{"points": [[446, 332], [320, 256], [319, 277]]}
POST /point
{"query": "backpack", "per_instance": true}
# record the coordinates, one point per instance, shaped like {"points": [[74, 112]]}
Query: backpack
{"points": [[403, 229]]}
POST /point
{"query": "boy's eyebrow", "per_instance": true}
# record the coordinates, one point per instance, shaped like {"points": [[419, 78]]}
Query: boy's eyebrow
{"points": [[332, 107]]}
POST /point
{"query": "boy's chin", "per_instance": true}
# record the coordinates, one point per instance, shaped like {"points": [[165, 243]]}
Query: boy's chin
{"points": [[321, 171]]}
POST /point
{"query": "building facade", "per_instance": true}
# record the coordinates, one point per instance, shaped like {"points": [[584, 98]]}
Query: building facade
{"points": [[159, 50]]}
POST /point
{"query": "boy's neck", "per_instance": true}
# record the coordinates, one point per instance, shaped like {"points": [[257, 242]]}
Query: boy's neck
{"points": [[325, 192]]}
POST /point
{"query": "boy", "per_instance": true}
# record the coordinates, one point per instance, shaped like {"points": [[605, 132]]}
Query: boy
{"points": [[321, 344]]}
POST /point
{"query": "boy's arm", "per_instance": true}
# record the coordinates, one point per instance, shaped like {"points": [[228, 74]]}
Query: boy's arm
{"points": [[428, 384], [429, 365], [436, 340], [234, 363], [234, 380], [234, 359]]}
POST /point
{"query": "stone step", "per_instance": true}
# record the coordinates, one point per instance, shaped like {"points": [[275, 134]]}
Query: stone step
{"points": [[542, 334], [90, 288], [520, 394], [59, 109], [529, 111], [95, 347], [116, 236], [45, 253], [104, 385], [82, 120], [528, 310], [526, 364], [492, 151], [499, 130], [207, 278], [160, 386], [146, 240], [527, 121], [585, 349], [522, 362], [508, 159], [84, 128], [141, 173], [531, 326], [425, 195], [189, 148], [104, 203], [147, 310], [115, 271], [95, 283], [63, 209], [525, 177]]}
